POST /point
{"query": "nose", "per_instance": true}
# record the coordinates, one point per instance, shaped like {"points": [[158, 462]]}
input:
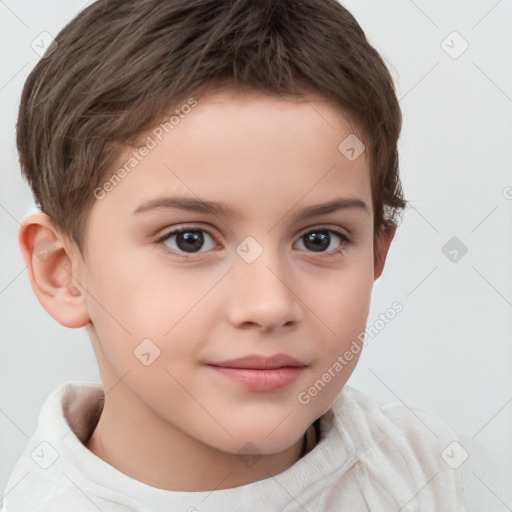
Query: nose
{"points": [[262, 294]]}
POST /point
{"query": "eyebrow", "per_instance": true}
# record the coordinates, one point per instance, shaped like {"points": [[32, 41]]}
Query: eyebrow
{"points": [[224, 210]]}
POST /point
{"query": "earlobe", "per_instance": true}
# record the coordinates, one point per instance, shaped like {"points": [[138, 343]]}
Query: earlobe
{"points": [[50, 268], [381, 247]]}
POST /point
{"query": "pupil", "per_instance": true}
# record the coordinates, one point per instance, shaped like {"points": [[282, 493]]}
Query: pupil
{"points": [[194, 240], [319, 241]]}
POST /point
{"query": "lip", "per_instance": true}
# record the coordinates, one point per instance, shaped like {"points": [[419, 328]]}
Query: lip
{"points": [[261, 373], [259, 362]]}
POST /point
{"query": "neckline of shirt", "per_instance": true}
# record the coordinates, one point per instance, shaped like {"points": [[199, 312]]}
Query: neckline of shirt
{"points": [[91, 473]]}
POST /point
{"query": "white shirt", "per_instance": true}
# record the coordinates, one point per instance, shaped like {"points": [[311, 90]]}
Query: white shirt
{"points": [[369, 458]]}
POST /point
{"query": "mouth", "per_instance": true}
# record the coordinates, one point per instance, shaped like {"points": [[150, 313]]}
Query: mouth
{"points": [[261, 373]]}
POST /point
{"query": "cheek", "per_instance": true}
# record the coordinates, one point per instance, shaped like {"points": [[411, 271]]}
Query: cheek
{"points": [[150, 327], [131, 302], [342, 298], [343, 309]]}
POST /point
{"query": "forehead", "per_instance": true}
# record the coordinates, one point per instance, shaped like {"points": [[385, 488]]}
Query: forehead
{"points": [[244, 106], [237, 146]]}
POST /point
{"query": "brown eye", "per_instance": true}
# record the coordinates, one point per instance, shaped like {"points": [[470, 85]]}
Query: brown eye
{"points": [[184, 241], [317, 240], [189, 240], [328, 241]]}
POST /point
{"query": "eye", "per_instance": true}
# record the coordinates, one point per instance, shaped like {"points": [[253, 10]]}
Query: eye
{"points": [[183, 242], [319, 239], [186, 239]]}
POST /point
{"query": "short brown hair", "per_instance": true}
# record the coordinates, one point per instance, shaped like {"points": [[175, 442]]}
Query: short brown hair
{"points": [[120, 65]]}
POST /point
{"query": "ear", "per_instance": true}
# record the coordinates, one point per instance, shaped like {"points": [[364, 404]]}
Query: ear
{"points": [[381, 247], [53, 266]]}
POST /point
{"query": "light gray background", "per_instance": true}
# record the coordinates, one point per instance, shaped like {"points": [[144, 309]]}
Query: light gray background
{"points": [[450, 348]]}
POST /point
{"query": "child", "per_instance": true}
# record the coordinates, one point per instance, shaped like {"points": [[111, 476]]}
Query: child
{"points": [[264, 135]]}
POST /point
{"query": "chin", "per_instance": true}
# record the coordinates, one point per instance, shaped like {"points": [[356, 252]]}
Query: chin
{"points": [[260, 442]]}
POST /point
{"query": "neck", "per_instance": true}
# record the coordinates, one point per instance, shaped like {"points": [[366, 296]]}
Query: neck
{"points": [[170, 459]]}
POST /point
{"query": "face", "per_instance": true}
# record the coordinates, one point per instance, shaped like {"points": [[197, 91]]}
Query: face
{"points": [[171, 291]]}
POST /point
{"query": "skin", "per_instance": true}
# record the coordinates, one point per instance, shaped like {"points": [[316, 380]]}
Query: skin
{"points": [[175, 424]]}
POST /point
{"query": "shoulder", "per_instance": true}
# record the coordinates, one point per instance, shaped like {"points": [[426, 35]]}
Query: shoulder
{"points": [[434, 448], [407, 448], [421, 427], [49, 475], [429, 437]]}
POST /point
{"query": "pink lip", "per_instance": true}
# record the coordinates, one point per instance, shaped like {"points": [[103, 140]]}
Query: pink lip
{"points": [[260, 373], [257, 362]]}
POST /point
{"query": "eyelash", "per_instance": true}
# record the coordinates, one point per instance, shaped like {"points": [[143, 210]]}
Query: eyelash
{"points": [[345, 241]]}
